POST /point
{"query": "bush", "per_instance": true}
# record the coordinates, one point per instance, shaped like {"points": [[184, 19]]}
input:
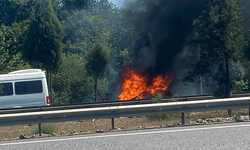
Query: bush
{"points": [[46, 128], [158, 99], [237, 117], [175, 98]]}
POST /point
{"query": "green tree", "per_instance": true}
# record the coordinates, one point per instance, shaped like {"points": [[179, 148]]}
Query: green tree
{"points": [[71, 84], [42, 46], [105, 24], [97, 63], [76, 84], [220, 43], [99, 22], [76, 4], [85, 27], [15, 10], [10, 56]]}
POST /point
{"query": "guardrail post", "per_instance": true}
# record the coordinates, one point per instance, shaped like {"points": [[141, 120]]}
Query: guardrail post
{"points": [[112, 123], [39, 128], [249, 113], [182, 118], [229, 112]]}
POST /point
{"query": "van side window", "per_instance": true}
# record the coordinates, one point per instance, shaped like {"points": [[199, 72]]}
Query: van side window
{"points": [[6, 90], [28, 87]]}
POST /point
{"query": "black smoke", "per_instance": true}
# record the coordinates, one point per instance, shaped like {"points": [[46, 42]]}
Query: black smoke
{"points": [[164, 26]]}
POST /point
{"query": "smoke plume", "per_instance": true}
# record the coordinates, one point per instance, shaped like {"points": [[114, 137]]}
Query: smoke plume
{"points": [[164, 27]]}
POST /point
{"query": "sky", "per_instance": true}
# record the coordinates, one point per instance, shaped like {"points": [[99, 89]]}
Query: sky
{"points": [[117, 2]]}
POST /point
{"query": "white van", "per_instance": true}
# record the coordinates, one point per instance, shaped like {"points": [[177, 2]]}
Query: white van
{"points": [[23, 88]]}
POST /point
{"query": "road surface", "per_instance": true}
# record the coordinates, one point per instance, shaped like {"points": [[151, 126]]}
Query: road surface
{"points": [[217, 136]]}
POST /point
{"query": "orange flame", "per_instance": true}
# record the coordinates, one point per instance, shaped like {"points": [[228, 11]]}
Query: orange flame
{"points": [[134, 84]]}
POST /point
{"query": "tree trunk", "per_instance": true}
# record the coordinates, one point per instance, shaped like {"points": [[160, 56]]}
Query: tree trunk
{"points": [[95, 88], [228, 89], [227, 77], [48, 78]]}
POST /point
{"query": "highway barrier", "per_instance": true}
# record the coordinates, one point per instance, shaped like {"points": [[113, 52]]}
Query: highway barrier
{"points": [[48, 115]]}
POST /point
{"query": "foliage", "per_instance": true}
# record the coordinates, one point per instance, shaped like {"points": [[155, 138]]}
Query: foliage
{"points": [[70, 83], [237, 117], [246, 63], [15, 11], [10, 40], [238, 79], [175, 98], [46, 128], [42, 45], [30, 32], [97, 63], [125, 57], [80, 40], [123, 36], [220, 41], [100, 22], [75, 4], [157, 98]]}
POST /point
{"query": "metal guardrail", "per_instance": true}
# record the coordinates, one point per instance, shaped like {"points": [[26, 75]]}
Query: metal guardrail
{"points": [[119, 111], [112, 103]]}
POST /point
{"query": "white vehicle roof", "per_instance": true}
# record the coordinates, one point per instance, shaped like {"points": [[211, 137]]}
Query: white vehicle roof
{"points": [[25, 71], [23, 74]]}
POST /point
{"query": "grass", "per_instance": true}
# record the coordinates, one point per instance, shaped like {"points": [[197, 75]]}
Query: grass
{"points": [[46, 128]]}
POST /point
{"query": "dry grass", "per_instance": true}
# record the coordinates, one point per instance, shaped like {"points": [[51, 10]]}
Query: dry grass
{"points": [[121, 123]]}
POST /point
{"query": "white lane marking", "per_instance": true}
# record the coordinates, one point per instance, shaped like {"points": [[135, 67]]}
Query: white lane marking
{"points": [[125, 134]]}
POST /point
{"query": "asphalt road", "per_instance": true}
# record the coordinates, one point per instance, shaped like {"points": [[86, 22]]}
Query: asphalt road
{"points": [[218, 136]]}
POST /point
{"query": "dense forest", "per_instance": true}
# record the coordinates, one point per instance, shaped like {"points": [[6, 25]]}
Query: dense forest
{"points": [[86, 45]]}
